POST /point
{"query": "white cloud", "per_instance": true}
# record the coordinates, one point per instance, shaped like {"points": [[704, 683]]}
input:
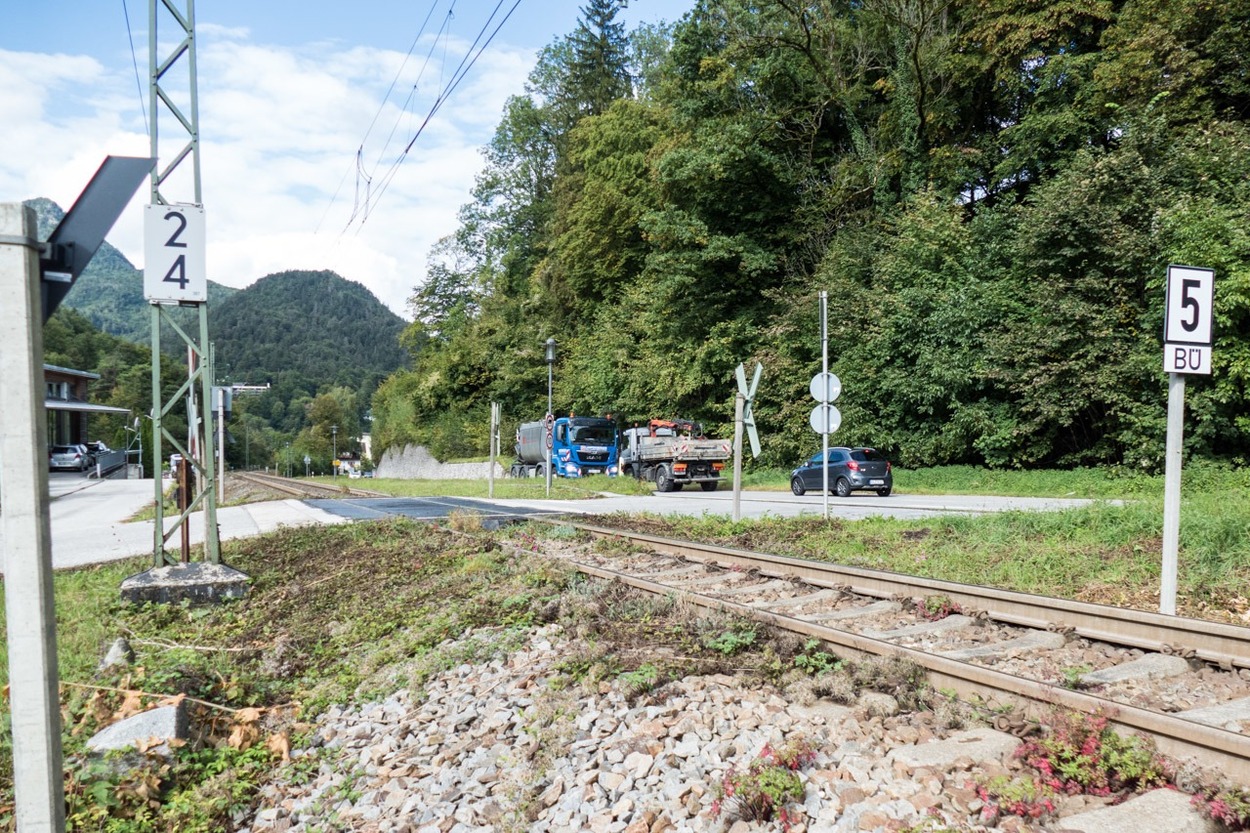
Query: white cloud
{"points": [[280, 128]]}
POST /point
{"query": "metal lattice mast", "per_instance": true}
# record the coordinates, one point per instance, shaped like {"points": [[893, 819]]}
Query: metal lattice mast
{"points": [[181, 106]]}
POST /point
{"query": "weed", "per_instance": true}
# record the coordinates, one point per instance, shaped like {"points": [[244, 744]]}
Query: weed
{"points": [[767, 788], [732, 641], [1228, 805], [934, 608], [816, 662], [1072, 676], [462, 520], [1082, 754], [640, 681], [1004, 795]]}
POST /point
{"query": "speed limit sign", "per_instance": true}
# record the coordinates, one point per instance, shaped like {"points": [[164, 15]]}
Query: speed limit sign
{"points": [[1187, 323]]}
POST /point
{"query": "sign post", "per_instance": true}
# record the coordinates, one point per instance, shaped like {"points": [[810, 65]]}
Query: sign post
{"points": [[1186, 349], [744, 417]]}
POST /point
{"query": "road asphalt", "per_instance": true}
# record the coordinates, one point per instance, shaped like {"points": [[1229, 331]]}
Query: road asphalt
{"points": [[89, 517]]}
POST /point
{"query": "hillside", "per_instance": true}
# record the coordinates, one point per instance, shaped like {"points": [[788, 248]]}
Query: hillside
{"points": [[315, 324], [110, 290]]}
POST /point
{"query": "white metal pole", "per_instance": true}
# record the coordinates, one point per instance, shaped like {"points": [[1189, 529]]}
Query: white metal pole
{"points": [[494, 424], [824, 369], [1172, 492], [738, 408], [221, 445], [549, 413], [30, 614]]}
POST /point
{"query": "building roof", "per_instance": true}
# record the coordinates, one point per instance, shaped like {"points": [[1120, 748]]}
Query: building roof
{"points": [[71, 372], [87, 407]]}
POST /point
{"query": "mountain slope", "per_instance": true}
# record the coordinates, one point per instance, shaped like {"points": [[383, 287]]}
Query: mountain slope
{"points": [[110, 290], [316, 324]]}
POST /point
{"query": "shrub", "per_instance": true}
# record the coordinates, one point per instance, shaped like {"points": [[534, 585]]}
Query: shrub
{"points": [[767, 788]]}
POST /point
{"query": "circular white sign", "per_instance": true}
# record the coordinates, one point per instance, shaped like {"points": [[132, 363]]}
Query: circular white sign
{"points": [[825, 419], [825, 387]]}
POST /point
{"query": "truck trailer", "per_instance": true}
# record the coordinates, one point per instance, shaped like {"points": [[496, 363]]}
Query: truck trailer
{"points": [[580, 446], [672, 453]]}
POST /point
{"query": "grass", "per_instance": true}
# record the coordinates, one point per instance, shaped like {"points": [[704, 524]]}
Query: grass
{"points": [[505, 487], [1105, 552], [1106, 482]]}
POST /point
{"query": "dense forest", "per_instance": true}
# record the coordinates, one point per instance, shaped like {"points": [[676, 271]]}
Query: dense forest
{"points": [[989, 190]]}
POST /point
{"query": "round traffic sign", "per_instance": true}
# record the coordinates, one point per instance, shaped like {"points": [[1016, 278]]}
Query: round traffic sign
{"points": [[551, 421], [825, 418], [825, 387]]}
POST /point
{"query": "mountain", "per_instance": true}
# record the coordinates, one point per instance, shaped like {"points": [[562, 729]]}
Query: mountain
{"points": [[316, 324], [109, 292]]}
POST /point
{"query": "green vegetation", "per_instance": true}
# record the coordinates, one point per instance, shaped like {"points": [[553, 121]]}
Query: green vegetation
{"points": [[989, 191], [1104, 552], [505, 487]]}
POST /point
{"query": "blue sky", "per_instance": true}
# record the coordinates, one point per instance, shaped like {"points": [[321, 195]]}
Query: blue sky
{"points": [[288, 91]]}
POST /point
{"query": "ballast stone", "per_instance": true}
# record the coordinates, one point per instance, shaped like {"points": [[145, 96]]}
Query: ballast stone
{"points": [[980, 745], [1159, 811]]}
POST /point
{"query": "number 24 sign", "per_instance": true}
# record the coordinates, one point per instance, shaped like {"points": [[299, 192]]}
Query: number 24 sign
{"points": [[173, 268]]}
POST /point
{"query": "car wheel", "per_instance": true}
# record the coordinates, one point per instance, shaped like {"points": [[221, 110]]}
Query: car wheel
{"points": [[843, 487], [708, 485], [540, 471], [663, 483], [796, 486], [883, 492]]}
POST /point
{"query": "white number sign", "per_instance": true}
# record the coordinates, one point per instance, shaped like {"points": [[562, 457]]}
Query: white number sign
{"points": [[173, 269], [1187, 325]]}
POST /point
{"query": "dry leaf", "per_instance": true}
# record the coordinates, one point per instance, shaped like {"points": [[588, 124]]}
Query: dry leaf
{"points": [[176, 700], [132, 705], [243, 736], [248, 715], [280, 744]]}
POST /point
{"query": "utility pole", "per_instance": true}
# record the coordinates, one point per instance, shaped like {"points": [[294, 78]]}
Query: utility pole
{"points": [[174, 276]]}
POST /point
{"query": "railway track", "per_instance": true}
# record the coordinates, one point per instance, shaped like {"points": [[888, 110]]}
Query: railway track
{"points": [[1183, 682], [304, 488]]}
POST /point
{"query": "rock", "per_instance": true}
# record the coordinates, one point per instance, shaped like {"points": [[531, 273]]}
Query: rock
{"points": [[119, 654], [149, 731]]}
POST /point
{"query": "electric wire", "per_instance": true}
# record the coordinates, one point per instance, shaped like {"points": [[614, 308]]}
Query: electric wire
{"points": [[458, 76], [381, 105], [134, 59]]}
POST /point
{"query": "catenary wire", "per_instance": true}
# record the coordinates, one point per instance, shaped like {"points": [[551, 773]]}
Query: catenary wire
{"points": [[134, 59], [461, 71]]}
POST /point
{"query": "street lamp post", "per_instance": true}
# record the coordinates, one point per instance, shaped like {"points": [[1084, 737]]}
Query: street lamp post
{"points": [[334, 455], [551, 360], [286, 458]]}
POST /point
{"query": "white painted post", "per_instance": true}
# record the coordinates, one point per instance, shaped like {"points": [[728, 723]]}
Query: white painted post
{"points": [[1172, 491], [739, 404], [494, 449], [824, 369], [30, 613]]}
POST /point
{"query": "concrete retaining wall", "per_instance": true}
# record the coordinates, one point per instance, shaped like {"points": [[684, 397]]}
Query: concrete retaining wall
{"points": [[414, 462]]}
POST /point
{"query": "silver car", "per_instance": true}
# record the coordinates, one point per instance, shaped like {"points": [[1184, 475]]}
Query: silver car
{"points": [[73, 457]]}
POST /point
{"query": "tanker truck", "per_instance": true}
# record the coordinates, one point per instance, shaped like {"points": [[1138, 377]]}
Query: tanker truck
{"points": [[580, 446]]}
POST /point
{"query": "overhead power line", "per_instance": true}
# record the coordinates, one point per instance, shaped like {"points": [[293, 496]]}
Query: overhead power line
{"points": [[466, 63]]}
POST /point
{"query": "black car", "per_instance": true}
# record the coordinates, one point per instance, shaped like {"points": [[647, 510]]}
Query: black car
{"points": [[850, 470]]}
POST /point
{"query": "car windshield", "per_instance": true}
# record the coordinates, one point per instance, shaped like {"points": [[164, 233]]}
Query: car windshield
{"points": [[64, 449], [601, 434], [867, 455]]}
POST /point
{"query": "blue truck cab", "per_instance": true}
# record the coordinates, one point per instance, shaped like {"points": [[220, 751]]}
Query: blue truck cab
{"points": [[580, 446], [584, 445]]}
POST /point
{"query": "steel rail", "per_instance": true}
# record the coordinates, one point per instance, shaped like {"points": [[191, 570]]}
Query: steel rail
{"points": [[298, 487], [1174, 736], [1222, 644]]}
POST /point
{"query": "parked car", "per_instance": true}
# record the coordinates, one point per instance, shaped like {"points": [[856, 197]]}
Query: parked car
{"points": [[74, 457], [850, 470]]}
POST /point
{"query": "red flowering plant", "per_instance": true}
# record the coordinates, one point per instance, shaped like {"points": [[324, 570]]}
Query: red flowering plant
{"points": [[767, 788], [1081, 754]]}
